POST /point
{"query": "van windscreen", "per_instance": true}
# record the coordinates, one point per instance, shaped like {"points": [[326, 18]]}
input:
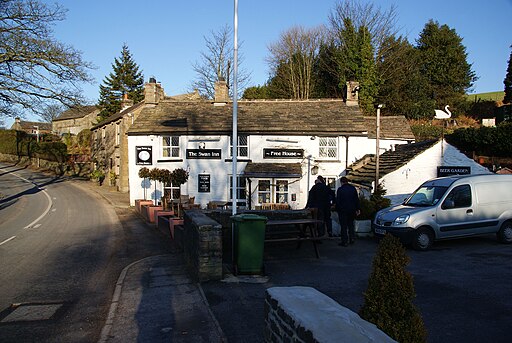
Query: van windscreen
{"points": [[426, 196]]}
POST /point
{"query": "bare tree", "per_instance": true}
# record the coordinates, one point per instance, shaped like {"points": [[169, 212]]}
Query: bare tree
{"points": [[51, 112], [35, 69], [380, 23], [216, 63], [292, 58]]}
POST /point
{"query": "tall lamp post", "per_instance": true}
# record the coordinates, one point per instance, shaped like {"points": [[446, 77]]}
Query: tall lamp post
{"points": [[377, 147], [37, 140]]}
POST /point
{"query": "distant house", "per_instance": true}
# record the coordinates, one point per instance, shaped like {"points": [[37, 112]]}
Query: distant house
{"points": [[75, 120], [31, 127], [406, 167]]}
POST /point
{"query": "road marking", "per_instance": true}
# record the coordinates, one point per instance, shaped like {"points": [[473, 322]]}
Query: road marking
{"points": [[36, 226], [50, 203], [7, 240]]}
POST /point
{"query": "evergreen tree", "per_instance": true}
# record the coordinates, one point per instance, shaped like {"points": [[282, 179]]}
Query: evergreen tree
{"points": [[125, 79], [388, 300], [326, 72], [403, 88], [508, 81], [366, 72], [444, 63]]}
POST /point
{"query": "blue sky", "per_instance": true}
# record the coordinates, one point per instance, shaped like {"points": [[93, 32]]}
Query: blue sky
{"points": [[166, 37]]}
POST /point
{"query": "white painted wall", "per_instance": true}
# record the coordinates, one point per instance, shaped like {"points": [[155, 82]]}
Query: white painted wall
{"points": [[220, 169], [405, 180]]}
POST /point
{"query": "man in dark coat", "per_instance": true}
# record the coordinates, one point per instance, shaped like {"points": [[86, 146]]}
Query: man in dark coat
{"points": [[347, 206], [321, 198]]}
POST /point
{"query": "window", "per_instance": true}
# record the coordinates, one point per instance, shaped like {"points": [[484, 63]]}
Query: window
{"points": [[264, 191], [331, 182], [240, 188], [328, 148], [459, 197], [171, 146], [118, 133], [282, 191], [242, 146]]}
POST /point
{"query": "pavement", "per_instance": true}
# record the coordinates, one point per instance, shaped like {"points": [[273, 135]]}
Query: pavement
{"points": [[154, 299]]}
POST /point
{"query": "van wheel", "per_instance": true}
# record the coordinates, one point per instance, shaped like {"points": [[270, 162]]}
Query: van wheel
{"points": [[423, 239], [505, 233]]}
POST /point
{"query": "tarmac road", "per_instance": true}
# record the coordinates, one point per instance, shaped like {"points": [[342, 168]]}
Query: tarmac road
{"points": [[462, 287]]}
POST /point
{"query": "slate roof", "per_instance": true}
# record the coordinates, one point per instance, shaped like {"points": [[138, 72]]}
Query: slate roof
{"points": [[118, 115], [76, 112], [293, 170], [391, 127], [363, 171], [283, 117], [29, 125]]}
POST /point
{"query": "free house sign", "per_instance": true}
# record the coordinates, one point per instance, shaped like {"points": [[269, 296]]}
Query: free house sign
{"points": [[283, 153]]}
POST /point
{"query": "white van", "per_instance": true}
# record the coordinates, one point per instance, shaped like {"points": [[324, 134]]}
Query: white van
{"points": [[451, 207]]}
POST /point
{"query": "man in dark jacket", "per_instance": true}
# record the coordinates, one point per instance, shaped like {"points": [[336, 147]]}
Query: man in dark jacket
{"points": [[347, 206], [321, 197]]}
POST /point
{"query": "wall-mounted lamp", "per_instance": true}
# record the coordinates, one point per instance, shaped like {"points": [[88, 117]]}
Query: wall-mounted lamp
{"points": [[312, 138], [314, 170], [202, 145]]}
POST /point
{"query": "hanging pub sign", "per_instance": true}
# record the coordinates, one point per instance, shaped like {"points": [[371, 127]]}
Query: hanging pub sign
{"points": [[283, 153], [207, 154], [144, 155], [453, 170], [203, 183]]}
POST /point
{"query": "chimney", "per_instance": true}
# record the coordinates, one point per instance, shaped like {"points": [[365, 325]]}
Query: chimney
{"points": [[352, 93], [125, 103], [153, 92], [221, 92]]}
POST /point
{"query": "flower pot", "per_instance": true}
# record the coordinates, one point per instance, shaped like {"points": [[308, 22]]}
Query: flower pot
{"points": [[140, 202], [363, 228]]}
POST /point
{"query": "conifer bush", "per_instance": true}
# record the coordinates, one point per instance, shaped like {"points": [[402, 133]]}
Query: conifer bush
{"points": [[388, 300]]}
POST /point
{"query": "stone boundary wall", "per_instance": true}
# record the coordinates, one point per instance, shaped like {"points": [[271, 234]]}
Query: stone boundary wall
{"points": [[304, 315], [202, 246], [58, 168]]}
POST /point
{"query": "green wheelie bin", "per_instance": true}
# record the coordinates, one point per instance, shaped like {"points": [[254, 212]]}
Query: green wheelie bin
{"points": [[249, 238]]}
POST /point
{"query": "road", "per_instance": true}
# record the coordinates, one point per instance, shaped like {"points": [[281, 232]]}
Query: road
{"points": [[62, 248]]}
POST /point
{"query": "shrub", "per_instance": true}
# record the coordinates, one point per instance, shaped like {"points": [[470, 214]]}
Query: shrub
{"points": [[376, 202], [388, 300]]}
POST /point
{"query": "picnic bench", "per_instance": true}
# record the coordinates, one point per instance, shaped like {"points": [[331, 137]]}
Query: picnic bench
{"points": [[299, 230]]}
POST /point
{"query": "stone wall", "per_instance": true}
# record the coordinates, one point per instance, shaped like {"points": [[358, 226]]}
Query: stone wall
{"points": [[58, 168], [202, 246], [303, 314]]}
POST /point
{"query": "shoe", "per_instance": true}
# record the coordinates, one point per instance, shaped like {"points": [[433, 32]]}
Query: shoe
{"points": [[352, 241], [343, 244]]}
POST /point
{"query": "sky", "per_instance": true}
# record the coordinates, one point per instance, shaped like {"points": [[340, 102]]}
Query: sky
{"points": [[166, 37]]}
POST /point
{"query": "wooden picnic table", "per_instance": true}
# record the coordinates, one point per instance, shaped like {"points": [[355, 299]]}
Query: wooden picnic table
{"points": [[305, 229]]}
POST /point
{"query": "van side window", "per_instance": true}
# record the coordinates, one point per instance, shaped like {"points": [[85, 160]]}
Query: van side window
{"points": [[460, 196]]}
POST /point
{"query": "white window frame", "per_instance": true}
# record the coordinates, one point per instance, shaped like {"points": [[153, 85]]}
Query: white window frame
{"points": [[328, 146], [278, 192], [172, 148], [118, 133], [242, 149], [241, 188], [265, 192]]}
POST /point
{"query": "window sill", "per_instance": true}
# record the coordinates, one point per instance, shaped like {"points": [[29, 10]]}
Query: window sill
{"points": [[170, 160], [239, 159]]}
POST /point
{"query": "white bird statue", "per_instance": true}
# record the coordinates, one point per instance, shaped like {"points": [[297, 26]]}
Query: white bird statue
{"points": [[440, 114]]}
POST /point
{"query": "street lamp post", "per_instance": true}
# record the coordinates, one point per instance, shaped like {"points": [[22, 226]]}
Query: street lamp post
{"points": [[377, 147]]}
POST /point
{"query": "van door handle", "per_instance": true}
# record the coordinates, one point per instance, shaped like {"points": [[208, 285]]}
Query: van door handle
{"points": [[469, 212]]}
